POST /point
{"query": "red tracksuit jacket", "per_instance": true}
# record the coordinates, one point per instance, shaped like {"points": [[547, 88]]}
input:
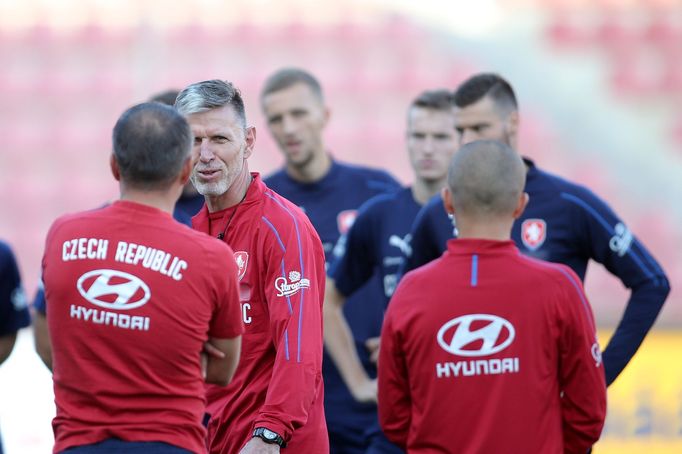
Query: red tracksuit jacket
{"points": [[278, 383], [487, 351]]}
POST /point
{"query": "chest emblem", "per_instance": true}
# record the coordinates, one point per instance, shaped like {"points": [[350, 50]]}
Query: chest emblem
{"points": [[345, 220], [242, 259], [533, 233]]}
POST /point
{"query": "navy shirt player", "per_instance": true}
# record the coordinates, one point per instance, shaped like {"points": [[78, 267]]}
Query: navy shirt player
{"points": [[330, 193], [13, 307], [380, 237], [563, 222]]}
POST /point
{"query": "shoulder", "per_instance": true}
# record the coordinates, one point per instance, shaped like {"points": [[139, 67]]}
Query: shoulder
{"points": [[6, 256], [275, 178], [373, 177], [283, 216], [547, 274], [381, 203], [5, 250], [569, 191]]}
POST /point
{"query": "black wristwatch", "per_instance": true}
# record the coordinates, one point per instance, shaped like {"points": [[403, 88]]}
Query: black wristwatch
{"points": [[269, 436]]}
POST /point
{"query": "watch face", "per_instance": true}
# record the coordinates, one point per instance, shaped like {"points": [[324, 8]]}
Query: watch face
{"points": [[269, 434]]}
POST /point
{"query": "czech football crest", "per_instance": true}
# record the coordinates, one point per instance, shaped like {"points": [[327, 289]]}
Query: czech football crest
{"points": [[345, 220], [533, 233], [242, 259]]}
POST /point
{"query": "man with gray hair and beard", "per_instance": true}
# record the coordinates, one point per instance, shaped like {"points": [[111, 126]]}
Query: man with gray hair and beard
{"points": [[276, 397], [505, 340]]}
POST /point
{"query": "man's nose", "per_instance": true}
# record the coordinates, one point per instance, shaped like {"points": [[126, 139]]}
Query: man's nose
{"points": [[205, 153]]}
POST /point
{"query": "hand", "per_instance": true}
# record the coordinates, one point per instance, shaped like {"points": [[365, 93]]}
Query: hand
{"points": [[259, 446], [209, 350], [365, 391], [373, 344]]}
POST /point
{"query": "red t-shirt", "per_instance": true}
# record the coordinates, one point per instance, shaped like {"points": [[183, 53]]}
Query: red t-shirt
{"points": [[486, 350], [278, 383], [132, 295]]}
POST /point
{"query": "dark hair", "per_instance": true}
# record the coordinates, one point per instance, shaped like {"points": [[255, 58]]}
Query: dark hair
{"points": [[211, 94], [440, 99], [286, 77], [151, 142], [485, 84], [165, 97]]}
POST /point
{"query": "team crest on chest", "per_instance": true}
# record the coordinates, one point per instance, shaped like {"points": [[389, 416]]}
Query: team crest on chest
{"points": [[242, 259], [345, 220], [533, 233]]}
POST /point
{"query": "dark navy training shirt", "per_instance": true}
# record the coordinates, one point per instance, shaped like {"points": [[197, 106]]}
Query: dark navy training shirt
{"points": [[331, 204], [378, 242], [567, 223], [13, 305]]}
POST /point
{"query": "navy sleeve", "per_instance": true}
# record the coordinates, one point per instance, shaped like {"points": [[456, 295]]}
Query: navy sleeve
{"points": [[430, 233], [383, 182], [13, 306], [39, 300], [355, 254], [612, 244]]}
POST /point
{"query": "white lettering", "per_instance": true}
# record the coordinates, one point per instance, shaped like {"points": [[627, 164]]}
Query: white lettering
{"points": [[102, 247], [246, 307], [177, 275], [107, 318], [120, 251], [477, 367], [150, 258], [443, 370], [81, 248], [286, 289], [141, 250], [130, 254], [158, 259]]}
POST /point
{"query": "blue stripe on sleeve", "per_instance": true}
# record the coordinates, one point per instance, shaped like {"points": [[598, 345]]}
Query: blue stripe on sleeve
{"points": [[474, 270], [609, 229], [300, 258]]}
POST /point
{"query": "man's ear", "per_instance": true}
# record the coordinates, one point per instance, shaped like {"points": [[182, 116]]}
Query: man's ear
{"points": [[113, 164], [250, 139], [186, 170], [447, 200], [521, 205]]}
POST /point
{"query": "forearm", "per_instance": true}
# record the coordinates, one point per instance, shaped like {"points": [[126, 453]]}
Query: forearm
{"points": [[6, 346], [640, 314], [339, 342], [41, 337], [220, 369]]}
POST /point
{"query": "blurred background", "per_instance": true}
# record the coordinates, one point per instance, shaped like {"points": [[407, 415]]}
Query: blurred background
{"points": [[599, 84]]}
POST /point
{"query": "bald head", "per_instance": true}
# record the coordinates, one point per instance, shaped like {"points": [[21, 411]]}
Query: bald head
{"points": [[486, 179]]}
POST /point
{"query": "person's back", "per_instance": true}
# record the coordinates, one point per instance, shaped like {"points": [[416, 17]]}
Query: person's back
{"points": [[490, 351], [133, 296], [502, 344]]}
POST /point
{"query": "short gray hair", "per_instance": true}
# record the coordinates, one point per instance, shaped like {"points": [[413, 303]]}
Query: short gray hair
{"points": [[210, 94]]}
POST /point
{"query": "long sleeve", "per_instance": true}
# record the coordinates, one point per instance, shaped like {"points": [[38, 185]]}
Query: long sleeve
{"points": [[294, 288], [608, 240], [430, 233], [581, 372], [395, 404]]}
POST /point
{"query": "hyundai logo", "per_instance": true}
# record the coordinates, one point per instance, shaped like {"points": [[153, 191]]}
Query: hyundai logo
{"points": [[476, 335], [113, 289]]}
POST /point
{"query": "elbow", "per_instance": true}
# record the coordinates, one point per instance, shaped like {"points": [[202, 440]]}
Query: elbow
{"points": [[219, 381]]}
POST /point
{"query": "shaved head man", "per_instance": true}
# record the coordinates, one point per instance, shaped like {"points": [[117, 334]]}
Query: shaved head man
{"points": [[490, 335], [485, 188]]}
